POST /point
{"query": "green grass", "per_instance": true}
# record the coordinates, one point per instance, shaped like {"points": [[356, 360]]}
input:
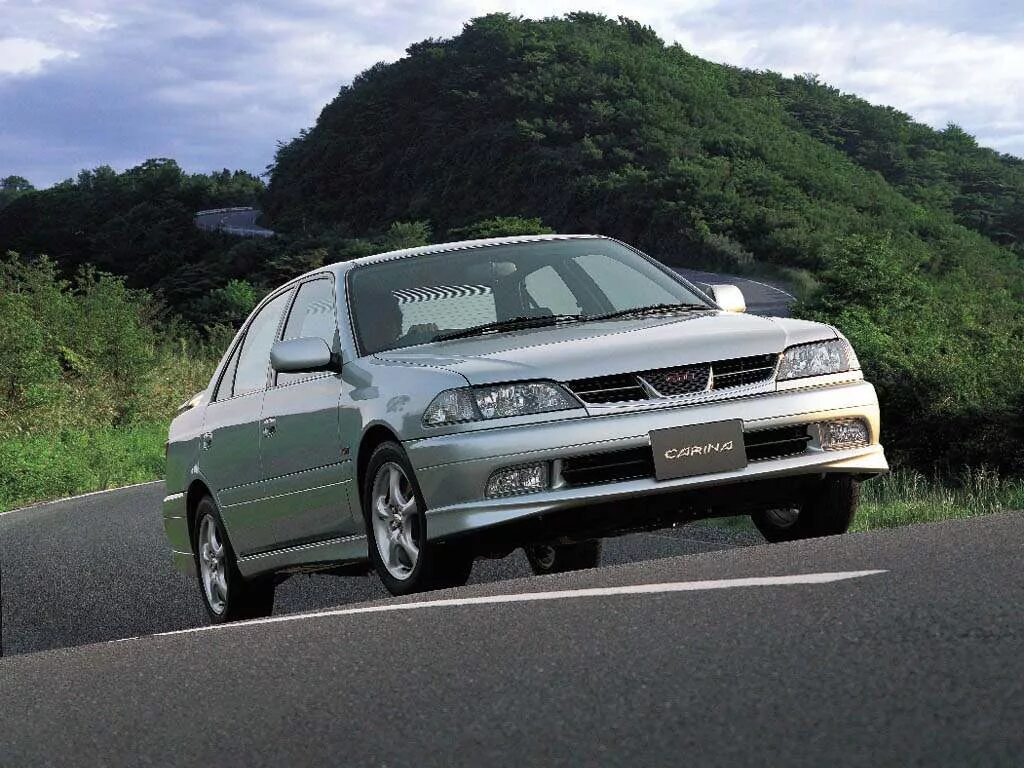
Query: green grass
{"points": [[47, 465], [905, 496]]}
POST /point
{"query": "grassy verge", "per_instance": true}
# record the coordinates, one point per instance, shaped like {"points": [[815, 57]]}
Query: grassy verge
{"points": [[49, 465], [905, 496]]}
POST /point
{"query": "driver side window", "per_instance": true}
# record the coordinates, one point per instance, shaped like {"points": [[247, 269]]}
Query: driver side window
{"points": [[312, 316], [254, 359]]}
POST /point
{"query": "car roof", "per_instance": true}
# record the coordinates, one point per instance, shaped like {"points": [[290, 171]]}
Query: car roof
{"points": [[461, 245]]}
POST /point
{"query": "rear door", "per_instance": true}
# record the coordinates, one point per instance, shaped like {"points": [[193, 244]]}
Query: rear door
{"points": [[306, 472], [229, 456]]}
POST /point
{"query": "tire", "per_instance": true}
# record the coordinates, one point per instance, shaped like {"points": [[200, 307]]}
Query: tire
{"points": [[396, 527], [827, 511], [560, 558], [227, 595]]}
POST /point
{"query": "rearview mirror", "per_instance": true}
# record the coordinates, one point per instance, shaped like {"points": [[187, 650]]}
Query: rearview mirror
{"points": [[728, 297], [306, 355]]}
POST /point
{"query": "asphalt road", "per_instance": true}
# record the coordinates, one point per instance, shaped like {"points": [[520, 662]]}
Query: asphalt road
{"points": [[98, 568], [912, 654]]}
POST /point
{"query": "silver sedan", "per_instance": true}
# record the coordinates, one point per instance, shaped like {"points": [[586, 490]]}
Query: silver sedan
{"points": [[415, 410]]}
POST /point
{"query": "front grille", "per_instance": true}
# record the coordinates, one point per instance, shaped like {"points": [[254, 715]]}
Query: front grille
{"points": [[674, 382], [741, 371], [776, 443], [620, 388], [610, 467], [669, 382]]}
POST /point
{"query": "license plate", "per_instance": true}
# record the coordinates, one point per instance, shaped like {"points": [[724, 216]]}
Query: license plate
{"points": [[698, 449]]}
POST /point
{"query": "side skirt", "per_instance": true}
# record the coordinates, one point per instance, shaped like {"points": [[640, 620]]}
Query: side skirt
{"points": [[317, 555]]}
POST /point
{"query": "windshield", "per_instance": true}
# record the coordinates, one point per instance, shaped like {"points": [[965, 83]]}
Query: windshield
{"points": [[425, 298]]}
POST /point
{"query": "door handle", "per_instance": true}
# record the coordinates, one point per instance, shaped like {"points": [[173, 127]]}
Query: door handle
{"points": [[205, 441], [269, 427]]}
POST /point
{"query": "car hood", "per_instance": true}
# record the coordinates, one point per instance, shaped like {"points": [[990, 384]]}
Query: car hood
{"points": [[581, 350]]}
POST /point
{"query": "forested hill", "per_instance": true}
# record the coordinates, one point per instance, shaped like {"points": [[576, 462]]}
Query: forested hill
{"points": [[596, 124]]}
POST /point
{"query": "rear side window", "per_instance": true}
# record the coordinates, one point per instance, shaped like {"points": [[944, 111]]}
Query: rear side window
{"points": [[312, 316], [251, 372]]}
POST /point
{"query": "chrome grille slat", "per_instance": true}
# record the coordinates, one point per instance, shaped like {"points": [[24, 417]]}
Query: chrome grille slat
{"points": [[741, 373]]}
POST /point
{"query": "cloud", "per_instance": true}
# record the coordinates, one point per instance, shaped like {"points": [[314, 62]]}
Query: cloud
{"points": [[935, 74], [24, 56], [83, 82], [87, 22]]}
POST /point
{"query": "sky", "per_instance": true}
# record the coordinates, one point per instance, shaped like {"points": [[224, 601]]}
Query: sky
{"points": [[218, 84]]}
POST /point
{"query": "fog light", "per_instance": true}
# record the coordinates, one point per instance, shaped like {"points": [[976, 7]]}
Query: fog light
{"points": [[511, 481], [843, 433]]}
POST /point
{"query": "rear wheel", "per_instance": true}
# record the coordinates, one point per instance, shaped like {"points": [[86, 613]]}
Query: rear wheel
{"points": [[227, 595], [828, 510], [559, 558], [397, 523]]}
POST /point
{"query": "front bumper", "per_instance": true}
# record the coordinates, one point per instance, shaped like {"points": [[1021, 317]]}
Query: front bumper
{"points": [[453, 469]]}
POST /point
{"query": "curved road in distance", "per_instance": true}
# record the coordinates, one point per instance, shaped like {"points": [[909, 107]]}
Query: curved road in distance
{"points": [[763, 298], [233, 221], [887, 648]]}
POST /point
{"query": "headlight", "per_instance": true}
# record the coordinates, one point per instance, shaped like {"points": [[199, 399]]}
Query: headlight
{"points": [[818, 359], [494, 402]]}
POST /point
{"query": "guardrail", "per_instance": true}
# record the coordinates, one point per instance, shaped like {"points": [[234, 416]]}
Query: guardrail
{"points": [[236, 209], [202, 220]]}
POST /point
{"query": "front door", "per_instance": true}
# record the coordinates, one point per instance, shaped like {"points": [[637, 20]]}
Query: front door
{"points": [[306, 473]]}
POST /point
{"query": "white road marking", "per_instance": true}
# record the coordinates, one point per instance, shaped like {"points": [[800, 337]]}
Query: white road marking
{"points": [[79, 496], [766, 285], [529, 597]]}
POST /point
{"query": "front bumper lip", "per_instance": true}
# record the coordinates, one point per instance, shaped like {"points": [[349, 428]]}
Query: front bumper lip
{"points": [[452, 470]]}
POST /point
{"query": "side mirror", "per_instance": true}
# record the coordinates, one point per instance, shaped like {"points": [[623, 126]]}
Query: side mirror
{"points": [[306, 355], [728, 297]]}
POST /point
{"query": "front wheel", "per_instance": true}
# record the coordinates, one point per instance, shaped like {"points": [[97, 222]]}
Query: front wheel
{"points": [[396, 520], [828, 510], [560, 558], [227, 595]]}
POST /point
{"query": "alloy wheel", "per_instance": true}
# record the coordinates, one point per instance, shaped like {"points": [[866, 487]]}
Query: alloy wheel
{"points": [[396, 521], [212, 565]]}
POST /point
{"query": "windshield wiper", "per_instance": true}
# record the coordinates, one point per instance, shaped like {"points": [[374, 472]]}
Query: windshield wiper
{"points": [[648, 310], [511, 324]]}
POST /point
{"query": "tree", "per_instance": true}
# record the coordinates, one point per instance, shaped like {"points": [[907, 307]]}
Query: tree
{"points": [[13, 187]]}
